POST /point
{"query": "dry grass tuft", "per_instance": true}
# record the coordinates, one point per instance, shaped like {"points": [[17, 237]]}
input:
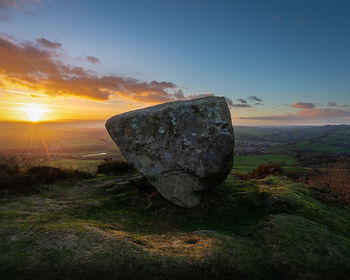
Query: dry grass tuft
{"points": [[336, 179]]}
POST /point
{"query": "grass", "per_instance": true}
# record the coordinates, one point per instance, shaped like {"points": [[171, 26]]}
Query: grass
{"points": [[105, 228], [88, 165], [255, 160], [246, 164], [312, 147]]}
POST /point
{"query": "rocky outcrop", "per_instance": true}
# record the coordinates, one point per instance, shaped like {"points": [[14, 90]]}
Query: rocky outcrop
{"points": [[181, 147]]}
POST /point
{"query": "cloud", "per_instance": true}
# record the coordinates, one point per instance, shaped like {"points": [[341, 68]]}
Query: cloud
{"points": [[345, 106], [254, 98], [315, 113], [93, 60], [308, 113], [243, 101], [8, 4], [302, 105], [37, 66], [249, 102], [331, 103], [48, 44], [241, 106]]}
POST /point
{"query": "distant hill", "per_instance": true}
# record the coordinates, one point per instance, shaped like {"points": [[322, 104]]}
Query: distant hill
{"points": [[329, 139]]}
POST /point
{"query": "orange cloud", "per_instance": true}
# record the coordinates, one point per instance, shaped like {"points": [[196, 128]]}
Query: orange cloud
{"points": [[37, 66]]}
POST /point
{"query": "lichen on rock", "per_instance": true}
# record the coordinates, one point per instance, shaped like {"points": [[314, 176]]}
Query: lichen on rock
{"points": [[181, 147]]}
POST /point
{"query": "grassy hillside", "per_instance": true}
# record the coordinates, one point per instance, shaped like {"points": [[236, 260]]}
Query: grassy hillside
{"points": [[105, 228]]}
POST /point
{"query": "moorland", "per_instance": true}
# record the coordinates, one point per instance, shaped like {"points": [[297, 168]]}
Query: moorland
{"points": [[282, 213]]}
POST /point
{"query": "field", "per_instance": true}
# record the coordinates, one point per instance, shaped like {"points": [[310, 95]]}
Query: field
{"points": [[249, 162], [320, 139], [80, 164], [78, 145]]}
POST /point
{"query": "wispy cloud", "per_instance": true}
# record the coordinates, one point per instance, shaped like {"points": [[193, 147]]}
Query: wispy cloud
{"points": [[331, 103], [254, 99], [48, 44], [242, 101], [8, 5], [308, 113], [302, 105], [91, 59], [249, 102], [241, 106]]}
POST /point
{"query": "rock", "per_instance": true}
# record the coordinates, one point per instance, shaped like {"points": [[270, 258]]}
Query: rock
{"points": [[181, 147]]}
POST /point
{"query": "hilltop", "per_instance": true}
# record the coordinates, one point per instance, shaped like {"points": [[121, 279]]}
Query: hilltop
{"points": [[116, 228]]}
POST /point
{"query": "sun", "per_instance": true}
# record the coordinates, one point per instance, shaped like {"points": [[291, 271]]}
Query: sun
{"points": [[34, 111]]}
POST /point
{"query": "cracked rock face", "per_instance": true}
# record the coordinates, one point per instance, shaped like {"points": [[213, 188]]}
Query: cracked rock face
{"points": [[181, 147]]}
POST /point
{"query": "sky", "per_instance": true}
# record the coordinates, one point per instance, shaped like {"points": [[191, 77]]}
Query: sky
{"points": [[276, 62]]}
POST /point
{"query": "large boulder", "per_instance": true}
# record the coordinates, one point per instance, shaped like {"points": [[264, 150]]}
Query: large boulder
{"points": [[181, 147]]}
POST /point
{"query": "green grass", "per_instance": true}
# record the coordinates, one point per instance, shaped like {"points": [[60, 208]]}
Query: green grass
{"points": [[255, 160], [245, 164], [89, 165], [312, 147], [266, 229]]}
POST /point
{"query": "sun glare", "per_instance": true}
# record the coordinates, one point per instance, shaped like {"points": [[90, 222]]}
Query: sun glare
{"points": [[34, 111]]}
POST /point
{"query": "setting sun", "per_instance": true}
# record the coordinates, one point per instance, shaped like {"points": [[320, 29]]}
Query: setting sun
{"points": [[34, 112]]}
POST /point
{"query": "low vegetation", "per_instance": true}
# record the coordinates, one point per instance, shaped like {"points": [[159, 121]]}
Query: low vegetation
{"points": [[271, 228], [262, 225], [19, 176], [114, 167], [334, 181]]}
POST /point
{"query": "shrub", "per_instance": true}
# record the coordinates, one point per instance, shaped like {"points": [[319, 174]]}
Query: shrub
{"points": [[49, 175], [336, 179], [19, 176], [111, 166], [46, 174], [265, 170], [13, 176]]}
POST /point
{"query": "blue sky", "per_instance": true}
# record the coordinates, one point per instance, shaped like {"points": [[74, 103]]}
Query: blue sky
{"points": [[282, 52]]}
